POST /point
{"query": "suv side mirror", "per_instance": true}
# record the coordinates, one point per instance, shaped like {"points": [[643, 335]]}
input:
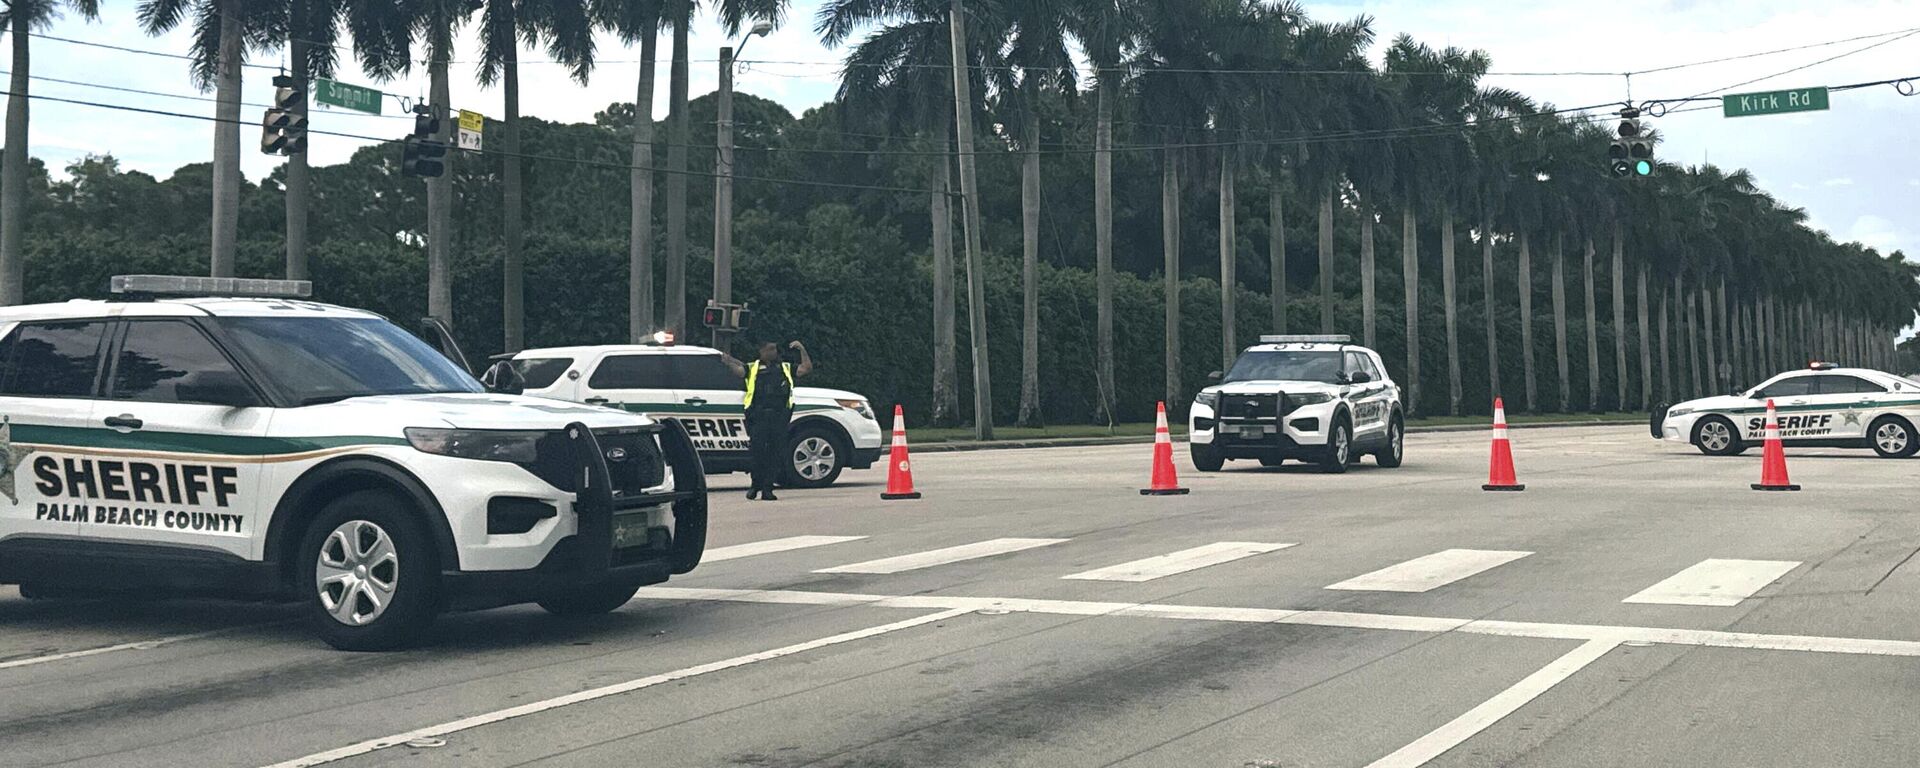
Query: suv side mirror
{"points": [[1359, 377], [1215, 376], [503, 378], [217, 387]]}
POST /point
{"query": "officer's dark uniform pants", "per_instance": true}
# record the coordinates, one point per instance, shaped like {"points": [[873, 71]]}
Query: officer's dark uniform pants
{"points": [[766, 443]]}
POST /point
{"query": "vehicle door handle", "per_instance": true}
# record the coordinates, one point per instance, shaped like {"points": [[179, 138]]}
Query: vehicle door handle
{"points": [[125, 421], [595, 401], [695, 401]]}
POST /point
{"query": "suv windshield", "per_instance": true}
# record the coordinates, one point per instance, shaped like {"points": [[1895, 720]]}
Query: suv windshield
{"points": [[324, 359], [1286, 366]]}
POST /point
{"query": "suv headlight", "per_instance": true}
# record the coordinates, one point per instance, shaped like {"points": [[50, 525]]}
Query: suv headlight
{"points": [[1672, 412], [1208, 399], [517, 446], [1310, 398], [859, 407]]}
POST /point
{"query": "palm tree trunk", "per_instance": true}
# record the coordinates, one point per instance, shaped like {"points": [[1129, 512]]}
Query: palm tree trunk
{"points": [[1368, 299], [1619, 321], [226, 141], [1727, 358], [1326, 260], [1486, 301], [1228, 282], [1525, 289], [1170, 266], [299, 180], [514, 259], [677, 138], [1708, 339], [1103, 242], [440, 188], [13, 175], [641, 318], [1410, 281], [946, 386], [1646, 342], [1666, 355], [970, 220], [1030, 267], [1560, 320], [1692, 322], [1277, 256], [1446, 294], [1593, 333]]}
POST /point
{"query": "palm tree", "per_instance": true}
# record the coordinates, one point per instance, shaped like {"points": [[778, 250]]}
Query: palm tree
{"points": [[505, 25], [1038, 48], [1102, 29], [226, 29], [22, 17], [638, 21]]}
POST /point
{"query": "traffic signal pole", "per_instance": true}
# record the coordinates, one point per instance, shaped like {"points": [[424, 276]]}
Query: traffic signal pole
{"points": [[723, 194]]}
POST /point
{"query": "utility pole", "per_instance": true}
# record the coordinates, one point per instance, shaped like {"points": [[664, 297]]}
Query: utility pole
{"points": [[723, 181], [970, 214]]}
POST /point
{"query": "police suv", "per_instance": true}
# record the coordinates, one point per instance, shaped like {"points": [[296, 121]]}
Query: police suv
{"points": [[832, 429], [1313, 398], [257, 444], [1824, 406]]}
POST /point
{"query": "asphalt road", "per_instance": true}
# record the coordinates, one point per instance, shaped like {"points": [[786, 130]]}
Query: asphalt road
{"points": [[1636, 605]]}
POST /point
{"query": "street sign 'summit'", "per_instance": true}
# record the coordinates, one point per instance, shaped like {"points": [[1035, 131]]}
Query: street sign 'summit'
{"points": [[1774, 102], [346, 96]]}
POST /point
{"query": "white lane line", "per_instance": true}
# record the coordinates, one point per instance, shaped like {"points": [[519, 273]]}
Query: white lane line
{"points": [[1385, 621], [1436, 570], [1446, 737], [489, 718], [1179, 562], [138, 645], [771, 546], [935, 557], [1715, 582]]}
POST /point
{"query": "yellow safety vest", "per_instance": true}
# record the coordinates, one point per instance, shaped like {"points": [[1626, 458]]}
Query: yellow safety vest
{"points": [[753, 374]]}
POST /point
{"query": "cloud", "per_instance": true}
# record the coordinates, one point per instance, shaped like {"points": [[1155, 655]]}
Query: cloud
{"points": [[1874, 231]]}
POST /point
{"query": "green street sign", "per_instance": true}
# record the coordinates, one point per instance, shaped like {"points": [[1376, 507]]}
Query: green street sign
{"points": [[346, 96], [1774, 102]]}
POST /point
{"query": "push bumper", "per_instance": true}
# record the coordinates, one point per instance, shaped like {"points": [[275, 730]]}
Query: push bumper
{"points": [[591, 556], [1302, 431], [861, 458]]}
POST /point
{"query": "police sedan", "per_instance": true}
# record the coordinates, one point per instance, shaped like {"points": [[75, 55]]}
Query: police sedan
{"points": [[1822, 406]]}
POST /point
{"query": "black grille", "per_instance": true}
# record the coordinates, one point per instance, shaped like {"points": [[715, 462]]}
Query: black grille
{"points": [[633, 459], [1254, 406]]}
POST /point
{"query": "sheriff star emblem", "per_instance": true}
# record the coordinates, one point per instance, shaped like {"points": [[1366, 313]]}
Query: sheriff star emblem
{"points": [[10, 457], [1851, 417]]}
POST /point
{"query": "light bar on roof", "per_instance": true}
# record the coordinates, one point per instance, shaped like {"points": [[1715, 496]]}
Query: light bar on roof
{"points": [[184, 285], [1306, 338]]}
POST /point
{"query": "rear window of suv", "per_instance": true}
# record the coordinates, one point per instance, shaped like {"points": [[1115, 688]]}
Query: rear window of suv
{"points": [[541, 372], [51, 359]]}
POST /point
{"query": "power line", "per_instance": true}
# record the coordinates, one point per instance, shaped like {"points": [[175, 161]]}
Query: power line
{"points": [[127, 49], [1772, 52], [1835, 57], [185, 96]]}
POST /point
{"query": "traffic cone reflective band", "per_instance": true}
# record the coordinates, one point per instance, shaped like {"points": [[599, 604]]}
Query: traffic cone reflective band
{"points": [[1164, 483], [899, 472], [1500, 465], [1773, 458]]}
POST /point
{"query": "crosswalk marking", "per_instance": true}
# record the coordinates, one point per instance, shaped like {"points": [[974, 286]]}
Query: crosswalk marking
{"points": [[1179, 562], [1436, 570], [935, 557], [1715, 582], [771, 546]]}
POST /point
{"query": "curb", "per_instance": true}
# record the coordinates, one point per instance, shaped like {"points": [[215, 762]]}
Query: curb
{"points": [[1077, 442]]}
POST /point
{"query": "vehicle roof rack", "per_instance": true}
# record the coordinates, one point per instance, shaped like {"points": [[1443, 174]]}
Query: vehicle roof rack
{"points": [[147, 287], [1306, 338]]}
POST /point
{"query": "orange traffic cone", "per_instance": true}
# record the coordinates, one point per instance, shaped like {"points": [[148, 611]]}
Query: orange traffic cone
{"points": [[899, 472], [1500, 464], [1773, 458], [1164, 483]]}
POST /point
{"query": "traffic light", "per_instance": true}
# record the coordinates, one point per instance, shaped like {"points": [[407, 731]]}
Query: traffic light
{"points": [[282, 130], [1631, 154], [726, 317], [422, 153]]}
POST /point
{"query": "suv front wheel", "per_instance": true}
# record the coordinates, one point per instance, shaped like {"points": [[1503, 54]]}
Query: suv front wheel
{"points": [[815, 457], [370, 582]]}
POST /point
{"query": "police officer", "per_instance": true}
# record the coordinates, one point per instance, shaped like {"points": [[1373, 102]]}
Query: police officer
{"points": [[769, 405]]}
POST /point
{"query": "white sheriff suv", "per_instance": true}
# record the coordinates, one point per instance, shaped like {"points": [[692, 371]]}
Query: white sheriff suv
{"points": [[260, 445], [1823, 406], [1313, 398], [832, 429]]}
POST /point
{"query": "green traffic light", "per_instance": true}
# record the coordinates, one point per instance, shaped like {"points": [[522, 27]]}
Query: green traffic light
{"points": [[1643, 168]]}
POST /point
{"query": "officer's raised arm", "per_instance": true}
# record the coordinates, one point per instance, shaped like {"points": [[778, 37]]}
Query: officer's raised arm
{"points": [[806, 360], [736, 366]]}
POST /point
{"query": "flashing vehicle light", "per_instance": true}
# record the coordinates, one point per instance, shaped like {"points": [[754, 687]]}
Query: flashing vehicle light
{"points": [[1306, 338], [664, 338], [1821, 366], [180, 285]]}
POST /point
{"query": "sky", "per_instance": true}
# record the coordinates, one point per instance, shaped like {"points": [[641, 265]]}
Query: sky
{"points": [[1854, 168]]}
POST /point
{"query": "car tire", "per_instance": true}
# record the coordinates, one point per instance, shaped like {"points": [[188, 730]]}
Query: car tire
{"points": [[1394, 451], [1892, 437], [1272, 461], [1718, 436], [815, 457], [1339, 451], [589, 600], [369, 573], [1205, 458]]}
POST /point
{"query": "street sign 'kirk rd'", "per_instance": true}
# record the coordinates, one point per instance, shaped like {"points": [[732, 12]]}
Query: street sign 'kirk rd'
{"points": [[1774, 102]]}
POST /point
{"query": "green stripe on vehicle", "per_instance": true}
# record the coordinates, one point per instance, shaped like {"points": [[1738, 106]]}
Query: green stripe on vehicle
{"points": [[187, 442], [715, 408], [1817, 407]]}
